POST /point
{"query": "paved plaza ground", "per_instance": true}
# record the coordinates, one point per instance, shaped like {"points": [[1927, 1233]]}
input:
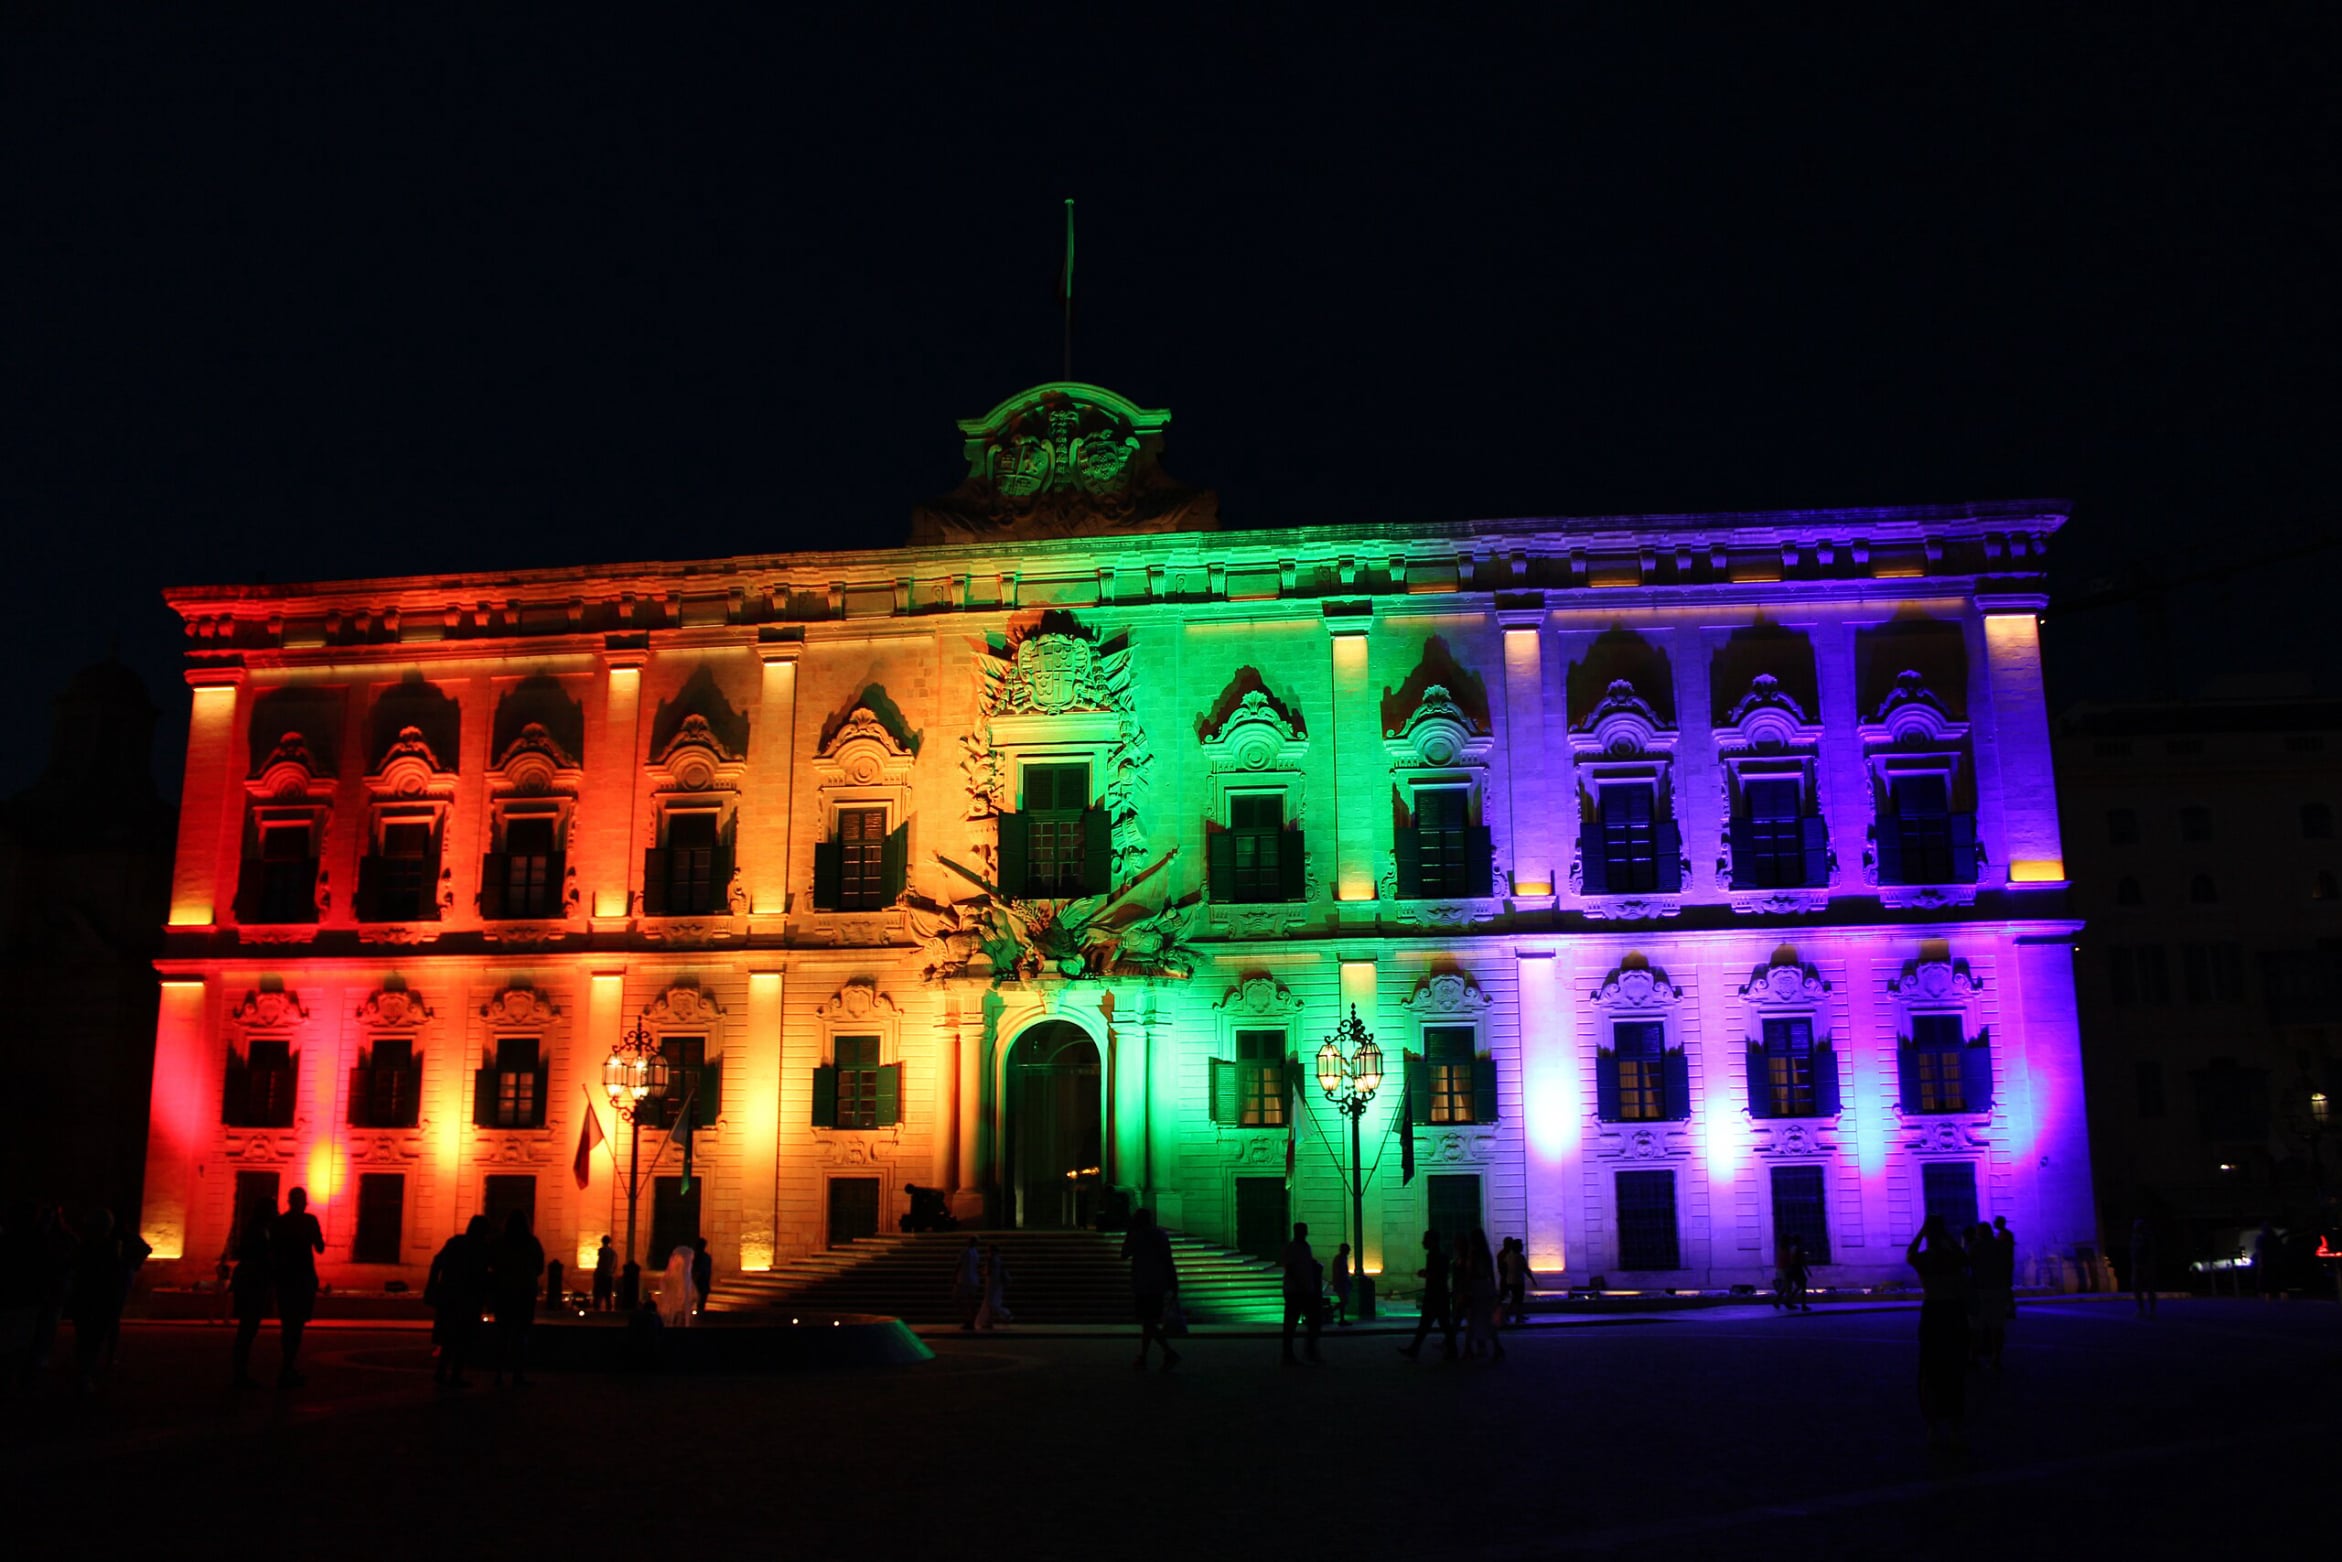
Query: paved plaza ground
{"points": [[1734, 1432]]}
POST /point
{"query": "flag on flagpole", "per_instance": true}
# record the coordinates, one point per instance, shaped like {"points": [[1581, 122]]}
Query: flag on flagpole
{"points": [[1292, 1117], [1406, 1122], [589, 1134]]}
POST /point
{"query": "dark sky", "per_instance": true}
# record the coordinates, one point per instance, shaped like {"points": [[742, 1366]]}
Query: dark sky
{"points": [[320, 291]]}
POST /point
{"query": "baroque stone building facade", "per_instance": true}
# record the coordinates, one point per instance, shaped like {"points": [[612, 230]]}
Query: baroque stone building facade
{"points": [[1699, 877]]}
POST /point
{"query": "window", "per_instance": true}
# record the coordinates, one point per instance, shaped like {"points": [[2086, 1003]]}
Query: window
{"points": [[1057, 819], [382, 1205], [1640, 1064], [288, 873], [2195, 824], [1800, 1212], [1447, 1057], [1923, 841], [2213, 973], [2148, 1074], [1769, 851], [1941, 1071], [1646, 1220], [511, 1093], [385, 1089], [2201, 891], [2317, 822], [2232, 1102], [402, 876], [2122, 827], [1248, 1091], [1256, 821], [856, 1090], [2128, 893], [2153, 967], [260, 1086], [2122, 972], [689, 878], [1791, 1074], [528, 873], [690, 1074], [1629, 840], [861, 850], [1949, 1187], [1451, 855]]}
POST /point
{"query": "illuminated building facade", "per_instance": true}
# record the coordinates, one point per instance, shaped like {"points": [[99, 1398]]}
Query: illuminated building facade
{"points": [[1699, 877]]}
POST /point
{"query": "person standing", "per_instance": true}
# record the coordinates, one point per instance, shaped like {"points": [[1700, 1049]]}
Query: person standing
{"points": [[456, 1290], [2268, 1251], [512, 1283], [994, 1312], [2007, 1242], [967, 1285], [1303, 1286], [2143, 1267], [1338, 1281], [251, 1285], [1512, 1282], [1154, 1284], [1943, 1330], [295, 1241], [1436, 1309], [1796, 1274], [605, 1277], [703, 1273]]}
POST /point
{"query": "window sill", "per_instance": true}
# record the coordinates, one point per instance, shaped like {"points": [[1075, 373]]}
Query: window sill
{"points": [[1925, 897], [1800, 901], [417, 932], [1630, 908]]}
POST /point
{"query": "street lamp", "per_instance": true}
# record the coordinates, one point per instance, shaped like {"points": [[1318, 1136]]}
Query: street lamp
{"points": [[1349, 1071], [635, 1077]]}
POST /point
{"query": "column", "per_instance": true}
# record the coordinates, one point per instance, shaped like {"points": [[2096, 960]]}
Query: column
{"points": [[1551, 1113], [756, 1054], [182, 1109], [206, 840], [2028, 789], [765, 847], [1359, 787], [1527, 769]]}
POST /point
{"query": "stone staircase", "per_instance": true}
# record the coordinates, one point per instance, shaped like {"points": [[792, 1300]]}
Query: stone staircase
{"points": [[1054, 1277]]}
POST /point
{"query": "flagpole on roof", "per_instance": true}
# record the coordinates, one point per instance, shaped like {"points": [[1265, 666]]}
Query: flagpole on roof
{"points": [[1065, 291]]}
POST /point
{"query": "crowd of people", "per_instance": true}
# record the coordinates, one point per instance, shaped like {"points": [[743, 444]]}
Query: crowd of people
{"points": [[57, 1264], [1967, 1281], [480, 1275]]}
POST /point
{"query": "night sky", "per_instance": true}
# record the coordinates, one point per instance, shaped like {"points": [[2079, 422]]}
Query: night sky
{"points": [[321, 291]]}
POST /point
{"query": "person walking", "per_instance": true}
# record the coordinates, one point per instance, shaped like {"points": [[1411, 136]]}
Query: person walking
{"points": [[1796, 1274], [456, 1290], [1304, 1285], [1436, 1309], [605, 1277], [967, 1285], [1943, 1330], [994, 1312], [1154, 1284], [2143, 1267], [295, 1241], [1338, 1282], [512, 1284], [251, 1286]]}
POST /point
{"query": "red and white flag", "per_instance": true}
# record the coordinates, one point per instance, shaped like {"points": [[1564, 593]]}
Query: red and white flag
{"points": [[589, 1134]]}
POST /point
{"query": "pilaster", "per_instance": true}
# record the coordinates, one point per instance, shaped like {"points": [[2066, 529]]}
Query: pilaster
{"points": [[2030, 846], [206, 842], [1533, 850], [1357, 746], [755, 1053], [770, 790], [182, 1110], [612, 763]]}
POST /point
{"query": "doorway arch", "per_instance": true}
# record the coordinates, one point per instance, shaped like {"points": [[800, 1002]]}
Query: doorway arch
{"points": [[1053, 1128]]}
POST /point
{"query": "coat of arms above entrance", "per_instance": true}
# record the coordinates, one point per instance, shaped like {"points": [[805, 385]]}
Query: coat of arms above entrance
{"points": [[1064, 460]]}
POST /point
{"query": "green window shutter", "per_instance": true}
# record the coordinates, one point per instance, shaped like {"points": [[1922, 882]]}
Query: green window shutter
{"points": [[1907, 1068], [1224, 1098], [495, 869], [1408, 849], [1742, 834], [726, 857], [1220, 863], [1963, 833], [711, 1092], [1976, 1074], [1667, 850], [235, 1091], [890, 1094], [1678, 1076], [1097, 852], [1825, 1080], [1417, 1074], [1760, 1080], [1606, 1084], [431, 861], [1484, 1090], [1816, 841], [484, 1098], [1015, 859], [829, 875], [544, 1082], [1890, 842], [1595, 879], [1480, 861], [369, 887], [654, 882], [825, 1097], [1292, 866], [894, 862]]}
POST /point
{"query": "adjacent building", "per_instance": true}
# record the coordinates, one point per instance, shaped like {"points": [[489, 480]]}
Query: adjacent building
{"points": [[1698, 876]]}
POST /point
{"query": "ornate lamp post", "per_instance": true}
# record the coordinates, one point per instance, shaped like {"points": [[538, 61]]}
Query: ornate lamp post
{"points": [[635, 1074], [1349, 1071]]}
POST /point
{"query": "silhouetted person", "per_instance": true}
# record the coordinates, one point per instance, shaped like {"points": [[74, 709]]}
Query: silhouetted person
{"points": [[1512, 1282], [2006, 1240], [2143, 1267], [1943, 1329], [294, 1243], [457, 1290], [1338, 1282], [1303, 1285], [1480, 1298], [1154, 1281], [519, 1259], [605, 1277], [252, 1285], [703, 1272], [1437, 1309], [967, 1285], [630, 1296], [97, 1295], [2268, 1259]]}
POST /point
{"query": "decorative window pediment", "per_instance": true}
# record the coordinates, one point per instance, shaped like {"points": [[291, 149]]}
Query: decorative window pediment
{"points": [[1622, 725], [391, 1007], [269, 1008], [1912, 716], [1439, 734], [683, 1004], [696, 760], [519, 1006], [1260, 997], [534, 764], [1785, 982], [1448, 995], [1767, 718], [861, 753], [1056, 691], [1636, 984], [1935, 981]]}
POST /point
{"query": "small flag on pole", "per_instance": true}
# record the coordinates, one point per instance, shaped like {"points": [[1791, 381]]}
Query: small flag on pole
{"points": [[589, 1134]]}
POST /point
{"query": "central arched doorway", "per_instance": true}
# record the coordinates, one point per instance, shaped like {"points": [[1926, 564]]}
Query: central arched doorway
{"points": [[1054, 1165]]}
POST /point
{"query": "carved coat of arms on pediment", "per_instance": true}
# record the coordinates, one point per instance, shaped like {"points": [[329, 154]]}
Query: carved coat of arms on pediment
{"points": [[1051, 675], [1064, 460]]}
